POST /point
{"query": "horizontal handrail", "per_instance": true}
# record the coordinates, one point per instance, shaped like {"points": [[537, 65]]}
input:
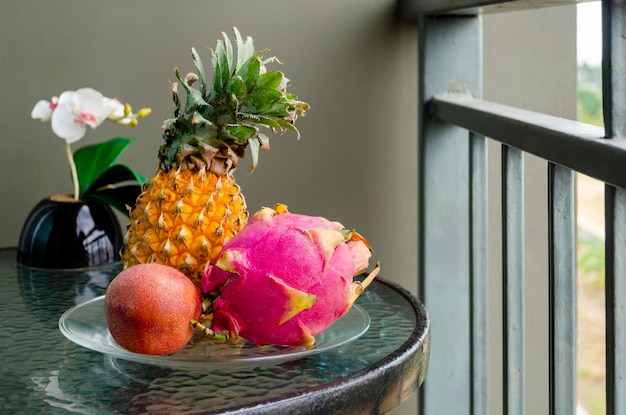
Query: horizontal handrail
{"points": [[578, 146], [410, 9]]}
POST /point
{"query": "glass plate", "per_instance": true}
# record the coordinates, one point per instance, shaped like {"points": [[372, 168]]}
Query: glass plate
{"points": [[85, 324]]}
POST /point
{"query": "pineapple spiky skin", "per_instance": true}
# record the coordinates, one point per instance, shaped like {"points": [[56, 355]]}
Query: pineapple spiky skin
{"points": [[182, 219], [192, 206]]}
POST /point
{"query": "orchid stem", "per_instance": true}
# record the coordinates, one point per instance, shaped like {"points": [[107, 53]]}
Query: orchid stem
{"points": [[70, 158]]}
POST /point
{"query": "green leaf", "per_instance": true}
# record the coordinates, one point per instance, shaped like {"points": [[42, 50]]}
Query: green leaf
{"points": [[119, 197], [237, 86], [194, 97], [201, 76], [117, 173], [228, 49], [224, 64], [91, 161], [245, 48], [254, 152], [261, 120], [241, 133], [269, 80], [260, 100], [250, 71]]}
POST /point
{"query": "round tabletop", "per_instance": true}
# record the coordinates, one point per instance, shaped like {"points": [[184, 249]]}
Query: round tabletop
{"points": [[43, 372]]}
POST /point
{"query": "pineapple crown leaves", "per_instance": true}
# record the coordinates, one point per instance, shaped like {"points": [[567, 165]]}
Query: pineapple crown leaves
{"points": [[243, 97]]}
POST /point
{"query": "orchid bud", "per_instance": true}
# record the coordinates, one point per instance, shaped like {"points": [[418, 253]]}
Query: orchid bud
{"points": [[144, 112]]}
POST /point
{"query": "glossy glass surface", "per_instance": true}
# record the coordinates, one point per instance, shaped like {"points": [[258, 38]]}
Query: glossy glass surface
{"points": [[45, 373], [62, 234], [85, 324]]}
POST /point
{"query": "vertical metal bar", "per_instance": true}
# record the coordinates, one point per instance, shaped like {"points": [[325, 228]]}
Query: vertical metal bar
{"points": [[562, 298], [615, 300], [614, 67], [513, 280], [479, 286], [450, 57], [614, 106]]}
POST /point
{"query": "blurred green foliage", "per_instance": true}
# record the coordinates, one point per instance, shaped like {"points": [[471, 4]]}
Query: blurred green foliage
{"points": [[591, 260], [590, 94]]}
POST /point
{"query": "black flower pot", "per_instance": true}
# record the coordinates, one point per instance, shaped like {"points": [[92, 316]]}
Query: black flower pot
{"points": [[62, 233]]}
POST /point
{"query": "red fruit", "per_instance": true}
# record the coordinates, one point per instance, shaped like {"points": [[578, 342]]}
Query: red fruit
{"points": [[149, 308]]}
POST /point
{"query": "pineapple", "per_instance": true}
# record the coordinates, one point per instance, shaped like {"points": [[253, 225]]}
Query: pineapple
{"points": [[192, 206]]}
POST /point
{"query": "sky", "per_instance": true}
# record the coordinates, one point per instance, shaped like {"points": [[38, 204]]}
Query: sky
{"points": [[589, 32]]}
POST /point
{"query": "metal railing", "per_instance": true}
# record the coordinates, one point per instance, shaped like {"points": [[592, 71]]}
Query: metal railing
{"points": [[453, 257]]}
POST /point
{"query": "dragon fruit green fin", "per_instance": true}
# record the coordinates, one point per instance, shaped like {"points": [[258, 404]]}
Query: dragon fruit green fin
{"points": [[265, 214], [230, 260], [308, 340], [297, 300], [326, 240]]}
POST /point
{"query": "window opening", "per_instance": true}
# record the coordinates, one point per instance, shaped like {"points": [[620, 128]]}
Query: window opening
{"points": [[591, 373]]}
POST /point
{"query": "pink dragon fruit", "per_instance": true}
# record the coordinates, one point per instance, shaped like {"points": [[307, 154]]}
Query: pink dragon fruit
{"points": [[285, 277]]}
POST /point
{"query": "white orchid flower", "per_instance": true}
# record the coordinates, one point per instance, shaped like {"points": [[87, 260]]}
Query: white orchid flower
{"points": [[73, 111], [115, 106], [76, 110], [43, 109]]}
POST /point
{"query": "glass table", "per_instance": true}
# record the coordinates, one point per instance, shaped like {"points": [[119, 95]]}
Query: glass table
{"points": [[43, 372]]}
